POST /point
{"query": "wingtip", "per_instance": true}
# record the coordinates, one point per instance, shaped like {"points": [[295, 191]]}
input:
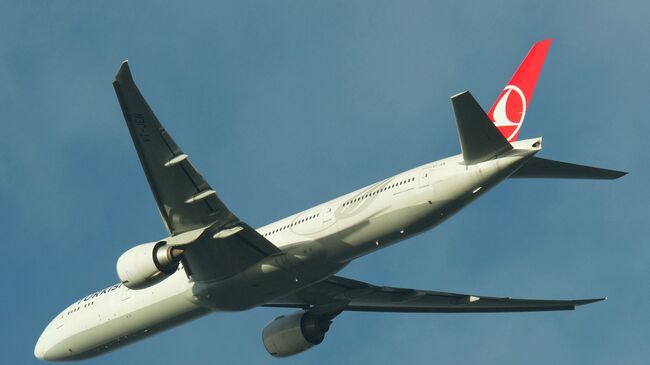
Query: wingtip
{"points": [[614, 175], [460, 94], [123, 71], [589, 301]]}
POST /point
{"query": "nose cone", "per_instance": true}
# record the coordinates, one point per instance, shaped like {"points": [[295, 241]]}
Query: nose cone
{"points": [[49, 347], [45, 351], [38, 352], [39, 349], [49, 353]]}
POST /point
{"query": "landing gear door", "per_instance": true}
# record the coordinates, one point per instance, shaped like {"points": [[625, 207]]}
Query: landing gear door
{"points": [[425, 177]]}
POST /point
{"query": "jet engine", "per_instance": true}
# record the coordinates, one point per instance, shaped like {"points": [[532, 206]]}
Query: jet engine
{"points": [[147, 264], [295, 333]]}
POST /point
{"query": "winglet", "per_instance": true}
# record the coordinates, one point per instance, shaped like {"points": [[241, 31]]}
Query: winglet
{"points": [[480, 140]]}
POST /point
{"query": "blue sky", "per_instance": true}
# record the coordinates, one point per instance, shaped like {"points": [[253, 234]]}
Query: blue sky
{"points": [[286, 104]]}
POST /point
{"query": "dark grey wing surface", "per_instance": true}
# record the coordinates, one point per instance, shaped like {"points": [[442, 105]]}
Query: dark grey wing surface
{"points": [[185, 200], [216, 243], [221, 252], [352, 295]]}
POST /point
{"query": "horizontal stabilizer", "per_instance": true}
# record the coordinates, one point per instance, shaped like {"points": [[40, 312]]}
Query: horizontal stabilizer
{"points": [[480, 140], [542, 168]]}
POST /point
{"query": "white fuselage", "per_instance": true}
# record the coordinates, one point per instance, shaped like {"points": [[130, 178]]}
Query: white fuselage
{"points": [[321, 240]]}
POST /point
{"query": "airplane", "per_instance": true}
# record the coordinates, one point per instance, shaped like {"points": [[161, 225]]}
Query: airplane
{"points": [[214, 262]]}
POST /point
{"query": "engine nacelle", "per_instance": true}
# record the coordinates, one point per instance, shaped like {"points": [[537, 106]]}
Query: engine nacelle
{"points": [[147, 264], [295, 333]]}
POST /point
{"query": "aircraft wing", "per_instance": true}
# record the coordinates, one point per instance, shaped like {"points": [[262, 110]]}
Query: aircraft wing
{"points": [[338, 293], [185, 200], [191, 210]]}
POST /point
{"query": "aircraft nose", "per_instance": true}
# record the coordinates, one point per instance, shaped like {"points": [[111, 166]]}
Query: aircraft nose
{"points": [[49, 348], [38, 350], [43, 348]]}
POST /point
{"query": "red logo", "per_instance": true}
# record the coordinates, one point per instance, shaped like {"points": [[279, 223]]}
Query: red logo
{"points": [[509, 111]]}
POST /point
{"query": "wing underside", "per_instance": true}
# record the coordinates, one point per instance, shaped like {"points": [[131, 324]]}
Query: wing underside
{"points": [[185, 200], [222, 252], [216, 243], [351, 295]]}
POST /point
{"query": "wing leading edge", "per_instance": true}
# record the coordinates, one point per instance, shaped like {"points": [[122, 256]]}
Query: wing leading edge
{"points": [[352, 295]]}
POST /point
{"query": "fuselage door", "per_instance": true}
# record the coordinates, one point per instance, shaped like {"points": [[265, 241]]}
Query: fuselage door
{"points": [[425, 177], [125, 293], [328, 214]]}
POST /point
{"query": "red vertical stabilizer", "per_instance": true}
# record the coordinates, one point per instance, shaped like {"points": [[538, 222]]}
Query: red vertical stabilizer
{"points": [[509, 109]]}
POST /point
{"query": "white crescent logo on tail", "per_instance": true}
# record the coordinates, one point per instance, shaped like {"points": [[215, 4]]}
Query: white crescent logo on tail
{"points": [[500, 113]]}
